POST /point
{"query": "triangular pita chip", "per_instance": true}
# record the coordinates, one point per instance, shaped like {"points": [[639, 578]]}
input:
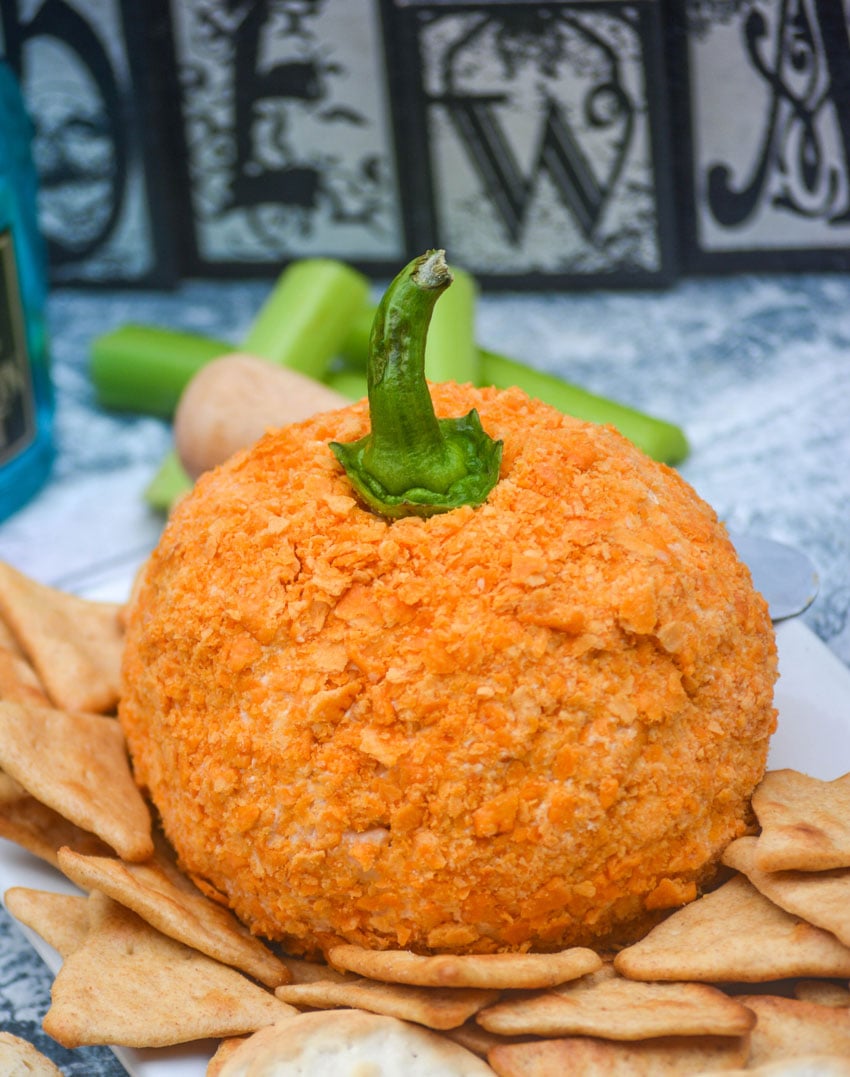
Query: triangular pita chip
{"points": [[478, 1040], [803, 1066], [7, 639], [615, 1008], [787, 1027], [733, 934], [75, 645], [39, 829], [60, 919], [223, 1052], [10, 790], [669, 1057], [435, 1007], [824, 992], [351, 1042], [307, 972], [805, 822], [77, 764], [821, 897], [18, 1058], [127, 984], [165, 899], [18, 680], [494, 971]]}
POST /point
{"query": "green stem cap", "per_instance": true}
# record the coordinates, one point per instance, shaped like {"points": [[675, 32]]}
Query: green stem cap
{"points": [[412, 463]]}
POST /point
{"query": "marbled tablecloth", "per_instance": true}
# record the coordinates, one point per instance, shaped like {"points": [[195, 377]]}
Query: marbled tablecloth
{"points": [[756, 369]]}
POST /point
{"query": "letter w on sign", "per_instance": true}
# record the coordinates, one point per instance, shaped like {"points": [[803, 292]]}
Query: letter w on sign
{"points": [[559, 155]]}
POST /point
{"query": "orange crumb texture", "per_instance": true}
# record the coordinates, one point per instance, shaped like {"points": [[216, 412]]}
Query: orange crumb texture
{"points": [[522, 726]]}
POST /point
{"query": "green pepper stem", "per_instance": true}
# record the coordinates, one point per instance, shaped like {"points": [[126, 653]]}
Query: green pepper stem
{"points": [[412, 463]]}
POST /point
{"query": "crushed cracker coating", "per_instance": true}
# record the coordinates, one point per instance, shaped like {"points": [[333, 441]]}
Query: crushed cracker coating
{"points": [[529, 725]]}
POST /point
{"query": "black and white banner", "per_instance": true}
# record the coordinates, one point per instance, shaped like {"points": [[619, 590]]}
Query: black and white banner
{"points": [[288, 131], [543, 135], [769, 89]]}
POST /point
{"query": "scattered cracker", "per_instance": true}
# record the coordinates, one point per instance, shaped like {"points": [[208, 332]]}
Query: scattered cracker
{"points": [[733, 934], [805, 822], [583, 1055], [18, 1058], [337, 1042], [307, 972], [7, 639], [60, 919], [77, 764], [805, 1066], [75, 645], [10, 790], [824, 992], [435, 1007], [127, 984], [614, 1008], [478, 1040], [788, 1028], [39, 829], [223, 1052], [489, 971], [821, 897], [18, 680], [157, 893]]}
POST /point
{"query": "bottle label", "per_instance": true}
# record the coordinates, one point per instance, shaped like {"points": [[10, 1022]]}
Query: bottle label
{"points": [[17, 405]]}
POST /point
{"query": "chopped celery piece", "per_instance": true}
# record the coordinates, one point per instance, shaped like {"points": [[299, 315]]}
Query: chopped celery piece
{"points": [[658, 438], [168, 484], [305, 319], [144, 368]]}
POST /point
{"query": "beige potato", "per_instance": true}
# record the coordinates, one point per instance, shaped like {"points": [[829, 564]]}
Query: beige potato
{"points": [[232, 401]]}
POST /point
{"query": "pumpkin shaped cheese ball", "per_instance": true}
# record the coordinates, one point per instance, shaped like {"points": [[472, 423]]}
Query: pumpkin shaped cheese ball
{"points": [[476, 684]]}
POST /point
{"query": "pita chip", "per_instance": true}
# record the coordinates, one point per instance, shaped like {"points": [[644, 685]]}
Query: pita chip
{"points": [[351, 1042], [805, 822], [478, 1040], [488, 971], [615, 1008], [302, 971], [223, 1052], [435, 1007], [804, 1066], [18, 1058], [666, 1057], [39, 829], [788, 1028], [127, 984], [74, 645], [157, 892], [821, 897], [77, 765], [825, 992], [60, 919], [734, 934], [19, 681]]}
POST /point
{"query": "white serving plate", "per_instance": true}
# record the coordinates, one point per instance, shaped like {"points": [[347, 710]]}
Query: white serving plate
{"points": [[813, 699]]}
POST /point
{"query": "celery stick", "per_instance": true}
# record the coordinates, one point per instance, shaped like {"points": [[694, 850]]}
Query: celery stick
{"points": [[450, 351], [355, 347], [168, 484], [143, 368], [658, 438], [307, 315], [351, 383]]}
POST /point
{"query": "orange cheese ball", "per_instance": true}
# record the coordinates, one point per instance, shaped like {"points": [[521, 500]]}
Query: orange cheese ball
{"points": [[523, 726]]}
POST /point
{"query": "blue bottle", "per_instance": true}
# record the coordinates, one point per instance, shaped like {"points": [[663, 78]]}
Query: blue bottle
{"points": [[26, 395]]}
